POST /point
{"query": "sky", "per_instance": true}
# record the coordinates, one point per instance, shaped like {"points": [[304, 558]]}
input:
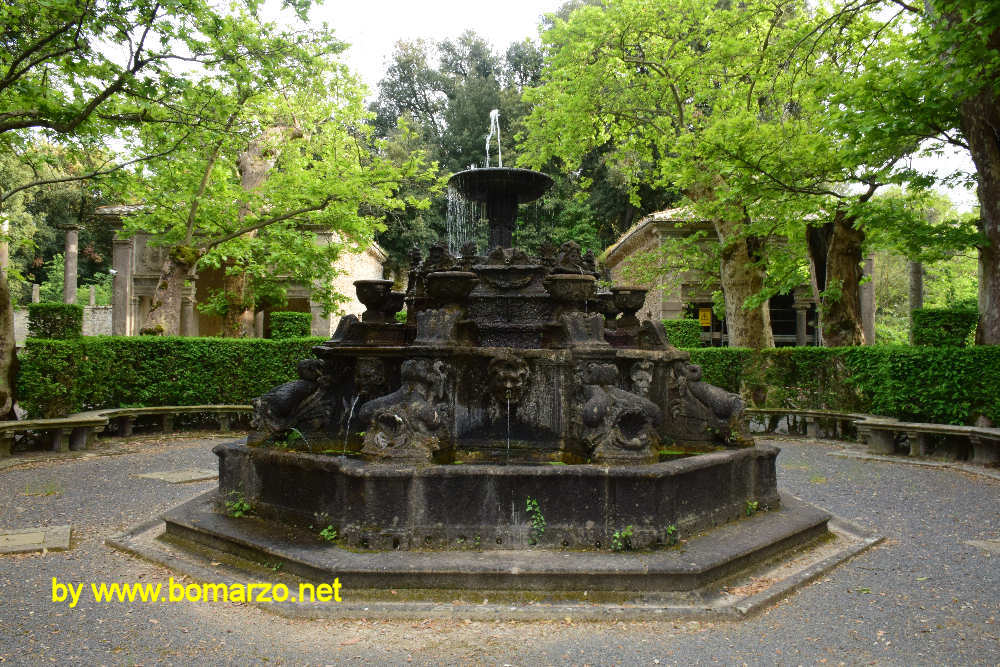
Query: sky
{"points": [[372, 27]]}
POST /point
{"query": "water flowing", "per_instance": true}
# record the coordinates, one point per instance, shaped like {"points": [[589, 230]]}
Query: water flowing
{"points": [[494, 129], [350, 415]]}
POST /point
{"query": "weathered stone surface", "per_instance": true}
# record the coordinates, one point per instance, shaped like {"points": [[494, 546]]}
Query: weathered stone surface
{"points": [[414, 506]]}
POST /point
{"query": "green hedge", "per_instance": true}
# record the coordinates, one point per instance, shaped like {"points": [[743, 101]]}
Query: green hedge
{"points": [[683, 333], [59, 377], [55, 320], [947, 385], [943, 326], [290, 324], [933, 384]]}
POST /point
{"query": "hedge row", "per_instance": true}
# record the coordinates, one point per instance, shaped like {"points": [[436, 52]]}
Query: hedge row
{"points": [[944, 384], [59, 377], [947, 385]]}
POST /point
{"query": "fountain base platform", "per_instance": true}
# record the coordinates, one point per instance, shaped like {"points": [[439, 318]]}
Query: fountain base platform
{"points": [[727, 573]]}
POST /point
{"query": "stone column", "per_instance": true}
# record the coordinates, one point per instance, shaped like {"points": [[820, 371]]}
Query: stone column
{"points": [[72, 258], [801, 324], [92, 300], [121, 288], [258, 324], [320, 325], [868, 301], [189, 314], [36, 293]]}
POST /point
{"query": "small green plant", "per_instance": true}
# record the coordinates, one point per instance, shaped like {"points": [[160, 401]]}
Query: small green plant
{"points": [[237, 505], [289, 438], [672, 537], [329, 534], [621, 540], [537, 520], [476, 541], [49, 489], [752, 507]]}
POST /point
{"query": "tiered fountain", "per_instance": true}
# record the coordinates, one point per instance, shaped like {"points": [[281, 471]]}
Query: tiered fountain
{"points": [[512, 381]]}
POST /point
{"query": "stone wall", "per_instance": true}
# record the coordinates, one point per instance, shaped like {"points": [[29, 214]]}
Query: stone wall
{"points": [[96, 322]]}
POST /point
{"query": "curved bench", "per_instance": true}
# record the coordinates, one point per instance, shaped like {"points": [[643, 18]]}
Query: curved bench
{"points": [[76, 432], [978, 444]]}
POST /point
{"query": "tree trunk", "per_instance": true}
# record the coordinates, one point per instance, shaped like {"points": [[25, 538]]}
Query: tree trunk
{"points": [[8, 350], [238, 321], [164, 317], [741, 279], [835, 255], [254, 164], [980, 118]]}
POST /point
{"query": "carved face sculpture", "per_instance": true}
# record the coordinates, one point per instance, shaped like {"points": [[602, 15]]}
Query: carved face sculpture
{"points": [[642, 377], [369, 377], [507, 378]]}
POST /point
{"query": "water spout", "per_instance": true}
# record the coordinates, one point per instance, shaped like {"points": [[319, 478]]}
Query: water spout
{"points": [[350, 415], [494, 129]]}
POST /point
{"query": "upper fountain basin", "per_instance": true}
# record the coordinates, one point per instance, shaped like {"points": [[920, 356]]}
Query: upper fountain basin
{"points": [[522, 185]]}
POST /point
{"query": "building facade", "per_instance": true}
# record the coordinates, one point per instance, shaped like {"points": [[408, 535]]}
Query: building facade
{"points": [[684, 295], [137, 262]]}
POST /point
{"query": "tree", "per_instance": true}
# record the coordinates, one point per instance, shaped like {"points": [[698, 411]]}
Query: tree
{"points": [[249, 193], [731, 104], [954, 56], [90, 76]]}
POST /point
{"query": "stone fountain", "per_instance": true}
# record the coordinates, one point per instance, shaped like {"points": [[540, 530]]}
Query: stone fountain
{"points": [[514, 382]]}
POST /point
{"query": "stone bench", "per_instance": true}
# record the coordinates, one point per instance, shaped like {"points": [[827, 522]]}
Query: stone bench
{"points": [[977, 444], [819, 423], [953, 442], [66, 433], [223, 414], [78, 431]]}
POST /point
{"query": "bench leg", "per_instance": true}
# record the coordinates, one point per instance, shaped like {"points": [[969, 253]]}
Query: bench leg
{"points": [[60, 439], [985, 451], [225, 422], [168, 423], [125, 426], [6, 444], [919, 445], [881, 442], [81, 437]]}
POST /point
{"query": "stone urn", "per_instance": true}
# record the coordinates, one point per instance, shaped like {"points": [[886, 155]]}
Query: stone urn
{"points": [[393, 304], [451, 286], [570, 290], [629, 300], [375, 295], [604, 303]]}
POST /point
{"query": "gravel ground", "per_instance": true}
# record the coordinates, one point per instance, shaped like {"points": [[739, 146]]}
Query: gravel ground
{"points": [[922, 597]]}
